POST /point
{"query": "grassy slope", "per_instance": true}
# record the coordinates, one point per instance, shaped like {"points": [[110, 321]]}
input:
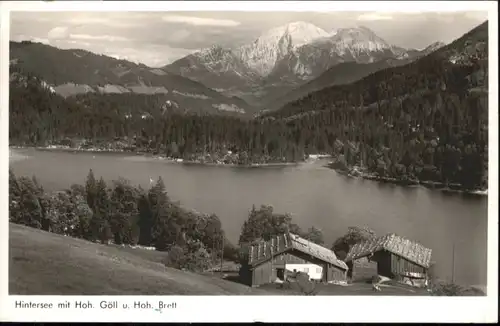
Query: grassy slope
{"points": [[43, 263]]}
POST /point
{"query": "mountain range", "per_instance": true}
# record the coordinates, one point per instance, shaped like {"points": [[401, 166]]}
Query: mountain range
{"points": [[73, 72], [285, 58], [425, 121], [282, 65], [345, 73], [467, 57]]}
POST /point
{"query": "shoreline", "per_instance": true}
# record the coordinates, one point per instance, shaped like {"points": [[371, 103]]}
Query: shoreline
{"points": [[146, 156], [431, 185], [248, 166], [312, 157], [15, 157]]}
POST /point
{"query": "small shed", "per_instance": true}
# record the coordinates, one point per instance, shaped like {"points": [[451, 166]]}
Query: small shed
{"points": [[287, 254], [395, 257]]}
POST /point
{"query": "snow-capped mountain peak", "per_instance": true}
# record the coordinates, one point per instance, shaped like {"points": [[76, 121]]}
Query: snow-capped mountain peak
{"points": [[358, 38], [262, 54], [214, 50], [284, 55], [301, 32], [219, 60]]}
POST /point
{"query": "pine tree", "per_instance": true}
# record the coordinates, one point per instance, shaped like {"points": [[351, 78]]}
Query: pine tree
{"points": [[100, 219], [145, 219], [91, 190], [14, 198], [84, 215], [160, 210], [30, 211], [123, 213]]}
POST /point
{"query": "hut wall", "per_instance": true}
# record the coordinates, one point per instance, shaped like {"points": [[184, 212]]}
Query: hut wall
{"points": [[384, 261], [266, 272], [401, 268], [314, 271], [292, 257], [334, 273], [262, 273], [245, 274], [400, 265], [387, 264], [362, 269], [330, 271]]}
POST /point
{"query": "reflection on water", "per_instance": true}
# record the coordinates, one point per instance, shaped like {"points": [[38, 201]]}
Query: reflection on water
{"points": [[315, 195]]}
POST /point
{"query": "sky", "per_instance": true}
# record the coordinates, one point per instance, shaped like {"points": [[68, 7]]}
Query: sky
{"points": [[159, 38]]}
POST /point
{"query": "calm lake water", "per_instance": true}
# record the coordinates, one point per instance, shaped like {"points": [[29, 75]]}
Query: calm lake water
{"points": [[313, 194]]}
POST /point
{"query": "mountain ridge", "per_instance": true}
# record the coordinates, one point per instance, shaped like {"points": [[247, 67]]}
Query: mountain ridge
{"points": [[262, 54], [470, 50], [348, 72], [75, 71], [284, 58]]}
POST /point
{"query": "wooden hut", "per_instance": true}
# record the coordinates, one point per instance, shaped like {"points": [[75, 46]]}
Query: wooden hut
{"points": [[287, 254], [395, 257]]}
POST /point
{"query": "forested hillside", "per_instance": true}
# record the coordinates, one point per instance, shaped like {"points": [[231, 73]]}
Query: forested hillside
{"points": [[425, 121], [74, 72], [143, 123], [348, 72], [340, 74]]}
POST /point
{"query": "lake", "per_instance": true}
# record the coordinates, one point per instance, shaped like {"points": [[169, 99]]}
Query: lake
{"points": [[314, 195]]}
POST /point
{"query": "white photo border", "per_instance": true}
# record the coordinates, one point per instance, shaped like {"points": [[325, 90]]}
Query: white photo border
{"points": [[268, 308]]}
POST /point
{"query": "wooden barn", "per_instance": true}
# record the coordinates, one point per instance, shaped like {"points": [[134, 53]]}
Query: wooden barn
{"points": [[391, 256], [286, 254]]}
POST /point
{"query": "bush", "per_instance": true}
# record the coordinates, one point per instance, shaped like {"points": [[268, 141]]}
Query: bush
{"points": [[231, 253], [353, 236], [447, 289], [175, 258], [305, 285], [314, 235], [299, 282], [194, 257], [198, 258]]}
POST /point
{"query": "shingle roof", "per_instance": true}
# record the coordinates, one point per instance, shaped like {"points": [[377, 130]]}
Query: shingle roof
{"points": [[316, 250], [410, 250], [262, 251]]}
